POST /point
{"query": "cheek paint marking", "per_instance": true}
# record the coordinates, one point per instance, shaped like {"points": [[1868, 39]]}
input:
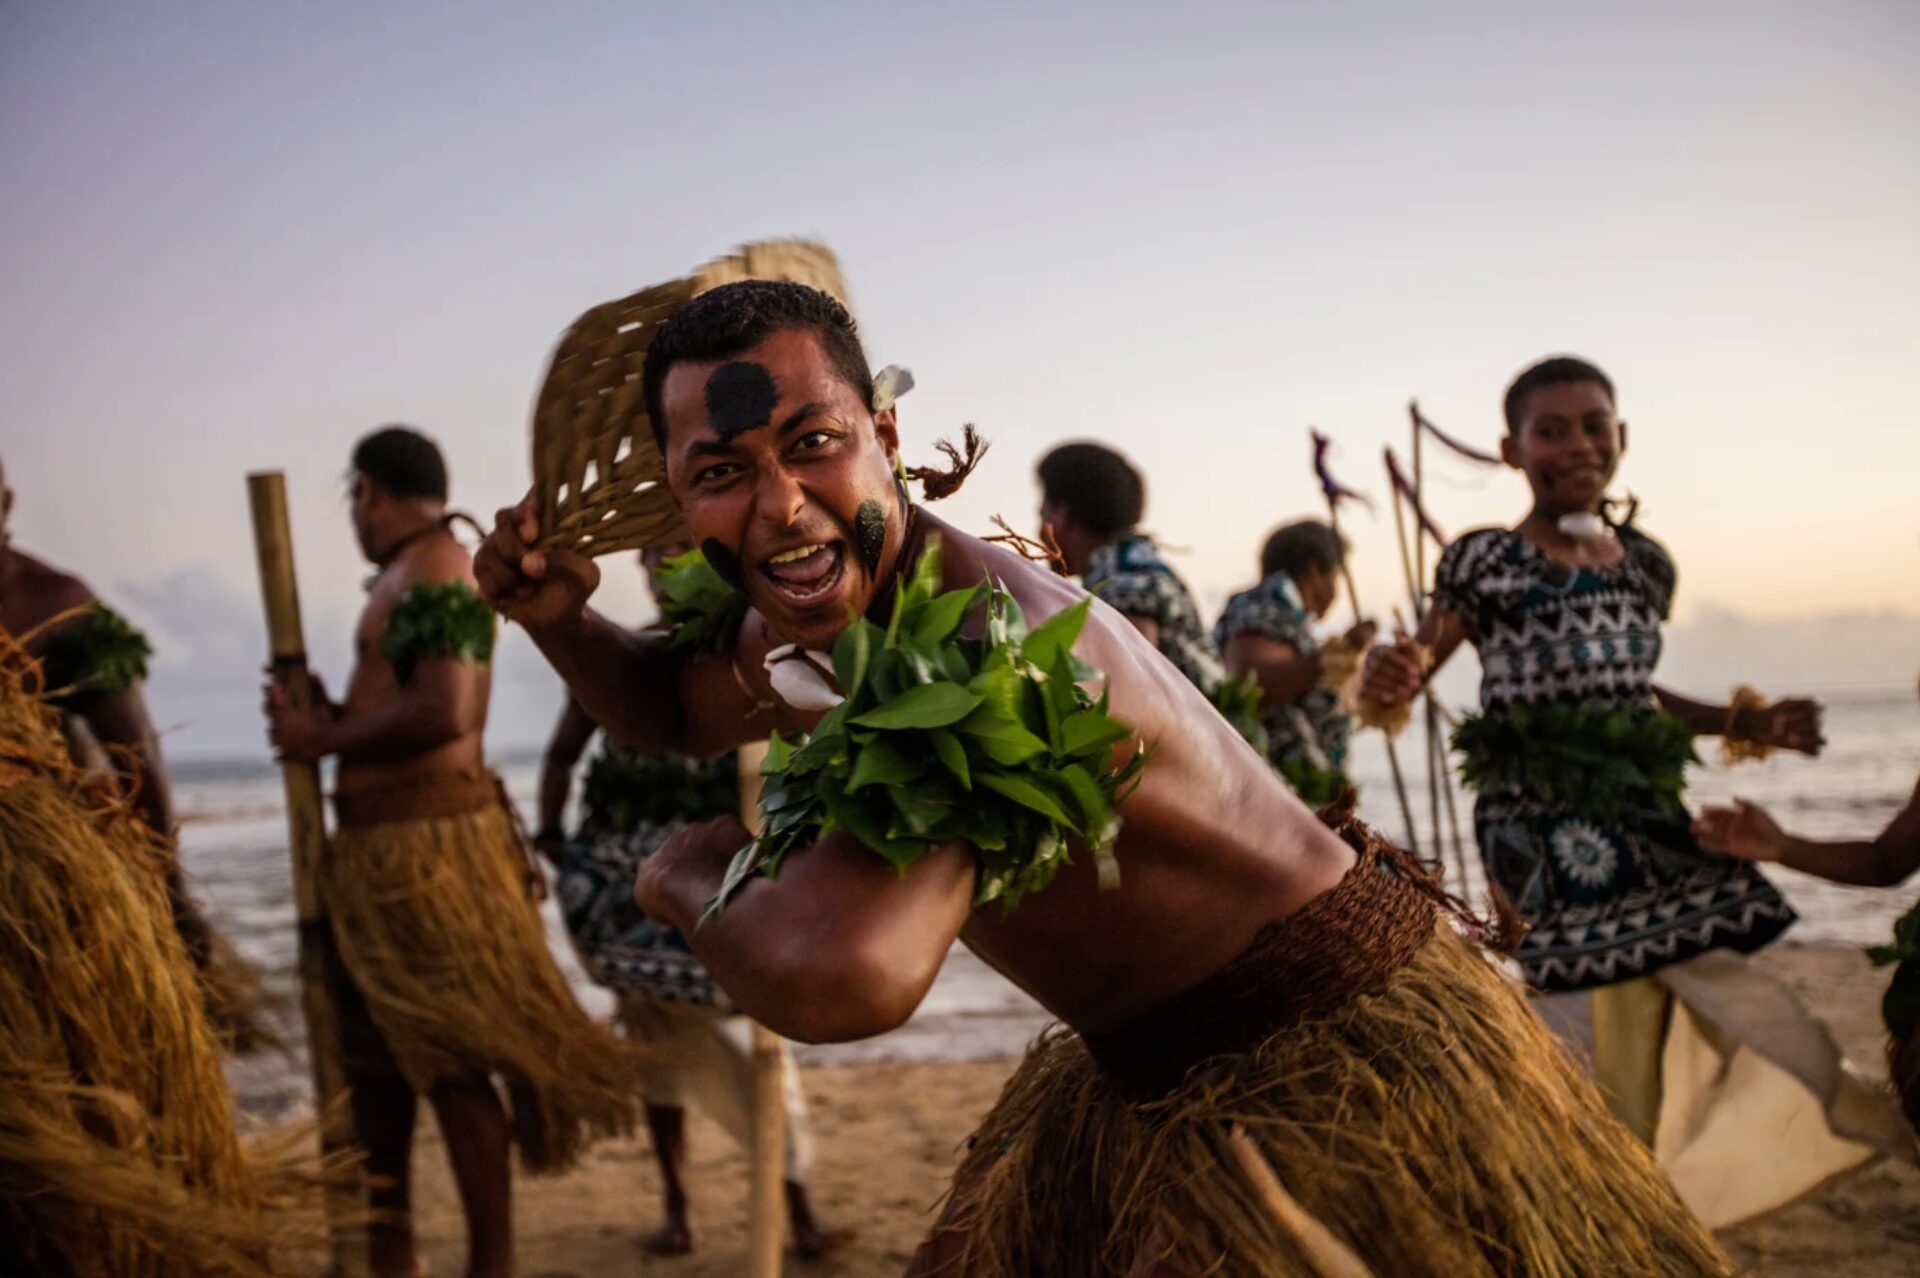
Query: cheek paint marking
{"points": [[740, 397], [870, 526], [724, 562]]}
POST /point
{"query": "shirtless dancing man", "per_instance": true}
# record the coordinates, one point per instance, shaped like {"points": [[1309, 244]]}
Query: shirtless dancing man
{"points": [[1433, 1126], [442, 956]]}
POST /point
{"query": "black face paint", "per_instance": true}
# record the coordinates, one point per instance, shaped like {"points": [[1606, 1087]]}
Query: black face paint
{"points": [[740, 397], [724, 562], [870, 526]]}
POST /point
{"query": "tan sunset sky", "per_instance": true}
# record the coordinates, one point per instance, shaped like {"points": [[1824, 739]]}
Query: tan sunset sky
{"points": [[237, 236]]}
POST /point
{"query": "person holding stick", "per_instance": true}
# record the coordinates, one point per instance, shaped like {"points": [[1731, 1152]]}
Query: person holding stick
{"points": [[632, 804], [446, 980], [93, 668], [1578, 756], [1266, 634], [976, 755]]}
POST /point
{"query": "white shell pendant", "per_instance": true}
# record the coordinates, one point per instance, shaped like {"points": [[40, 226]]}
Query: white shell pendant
{"points": [[801, 677], [1582, 525]]}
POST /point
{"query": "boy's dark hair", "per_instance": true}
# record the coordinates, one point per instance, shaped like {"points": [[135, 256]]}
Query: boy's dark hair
{"points": [[735, 318], [1097, 486], [403, 462], [1306, 545], [1555, 371]]}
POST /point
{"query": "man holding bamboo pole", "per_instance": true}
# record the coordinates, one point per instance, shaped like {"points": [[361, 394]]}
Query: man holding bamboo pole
{"points": [[974, 767], [429, 887]]}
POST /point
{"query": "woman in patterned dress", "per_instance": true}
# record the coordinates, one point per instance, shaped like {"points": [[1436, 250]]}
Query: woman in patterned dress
{"points": [[1266, 633], [1578, 758]]}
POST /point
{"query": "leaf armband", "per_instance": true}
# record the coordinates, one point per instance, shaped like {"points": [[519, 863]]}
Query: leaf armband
{"points": [[94, 656], [437, 619]]}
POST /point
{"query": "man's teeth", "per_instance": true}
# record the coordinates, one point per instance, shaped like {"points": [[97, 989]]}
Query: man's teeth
{"points": [[792, 556]]}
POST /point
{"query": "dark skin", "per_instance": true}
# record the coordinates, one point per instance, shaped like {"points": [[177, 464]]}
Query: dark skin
{"points": [[840, 946], [666, 1123], [104, 733], [1283, 673], [1569, 445], [384, 734]]}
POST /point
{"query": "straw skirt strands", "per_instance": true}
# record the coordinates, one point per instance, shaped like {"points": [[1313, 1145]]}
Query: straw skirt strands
{"points": [[1429, 1122], [441, 940], [118, 1153], [598, 477]]}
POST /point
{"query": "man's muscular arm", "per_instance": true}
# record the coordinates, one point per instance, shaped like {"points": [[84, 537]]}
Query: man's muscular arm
{"points": [[1747, 831], [839, 947]]}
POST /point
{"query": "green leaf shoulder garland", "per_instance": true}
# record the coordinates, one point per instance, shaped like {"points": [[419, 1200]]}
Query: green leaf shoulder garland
{"points": [[437, 619], [941, 738], [96, 655]]}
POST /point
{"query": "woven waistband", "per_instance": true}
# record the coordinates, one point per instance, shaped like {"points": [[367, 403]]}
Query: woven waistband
{"points": [[1340, 945], [430, 798]]}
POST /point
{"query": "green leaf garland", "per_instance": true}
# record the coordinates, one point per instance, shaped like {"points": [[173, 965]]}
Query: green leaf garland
{"points": [[437, 619], [992, 742], [1589, 761], [97, 654], [704, 611]]}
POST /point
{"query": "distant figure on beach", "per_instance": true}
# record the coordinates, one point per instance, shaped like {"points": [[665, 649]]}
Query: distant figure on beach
{"points": [[1223, 962], [631, 805], [1091, 503], [92, 667], [1579, 760], [441, 971], [1266, 634]]}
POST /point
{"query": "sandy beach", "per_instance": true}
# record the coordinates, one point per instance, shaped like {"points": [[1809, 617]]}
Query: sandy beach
{"points": [[889, 1131]]}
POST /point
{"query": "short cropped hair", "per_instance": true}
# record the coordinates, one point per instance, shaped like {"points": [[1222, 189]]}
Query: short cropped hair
{"points": [[735, 318], [403, 462], [1306, 545], [1096, 485], [1556, 371]]}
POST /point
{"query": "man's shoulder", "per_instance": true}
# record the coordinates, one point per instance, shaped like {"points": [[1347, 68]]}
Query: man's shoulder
{"points": [[40, 591]]}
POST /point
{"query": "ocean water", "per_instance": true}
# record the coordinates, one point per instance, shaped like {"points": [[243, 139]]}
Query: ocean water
{"points": [[234, 846]]}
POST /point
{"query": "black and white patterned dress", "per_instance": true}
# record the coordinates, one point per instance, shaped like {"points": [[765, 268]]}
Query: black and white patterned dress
{"points": [[632, 804], [1606, 900], [1130, 575], [1311, 728]]}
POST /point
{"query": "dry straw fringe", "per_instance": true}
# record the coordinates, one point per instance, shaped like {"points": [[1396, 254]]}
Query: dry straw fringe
{"points": [[1433, 1126], [434, 924], [118, 1151]]}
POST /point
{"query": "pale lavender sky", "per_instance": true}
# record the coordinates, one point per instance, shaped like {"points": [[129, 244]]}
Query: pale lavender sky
{"points": [[238, 235]]}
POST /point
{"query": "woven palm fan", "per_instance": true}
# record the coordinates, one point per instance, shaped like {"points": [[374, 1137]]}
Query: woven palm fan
{"points": [[598, 477]]}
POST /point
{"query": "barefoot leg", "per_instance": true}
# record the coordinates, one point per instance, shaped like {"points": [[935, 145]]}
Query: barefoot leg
{"points": [[474, 1125]]}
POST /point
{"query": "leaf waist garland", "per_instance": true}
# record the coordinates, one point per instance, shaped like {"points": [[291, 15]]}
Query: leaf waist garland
{"points": [[1315, 786], [1589, 761], [437, 619], [943, 738], [625, 789], [1238, 701], [98, 654]]}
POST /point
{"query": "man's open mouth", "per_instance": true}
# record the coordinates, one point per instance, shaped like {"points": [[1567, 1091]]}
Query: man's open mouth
{"points": [[806, 574]]}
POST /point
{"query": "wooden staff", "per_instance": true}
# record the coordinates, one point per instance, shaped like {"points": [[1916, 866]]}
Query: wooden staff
{"points": [[766, 1193], [1393, 754], [1326, 1254], [307, 830]]}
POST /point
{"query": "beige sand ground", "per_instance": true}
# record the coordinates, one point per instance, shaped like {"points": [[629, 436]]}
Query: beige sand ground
{"points": [[888, 1135]]}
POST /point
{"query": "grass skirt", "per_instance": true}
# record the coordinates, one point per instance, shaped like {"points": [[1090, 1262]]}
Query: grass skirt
{"points": [[118, 1152], [437, 931], [1431, 1123]]}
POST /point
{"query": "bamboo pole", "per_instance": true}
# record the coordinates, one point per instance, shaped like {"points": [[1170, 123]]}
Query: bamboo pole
{"points": [[766, 1193], [306, 822]]}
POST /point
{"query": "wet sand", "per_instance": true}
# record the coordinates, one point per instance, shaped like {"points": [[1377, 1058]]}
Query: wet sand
{"points": [[889, 1134]]}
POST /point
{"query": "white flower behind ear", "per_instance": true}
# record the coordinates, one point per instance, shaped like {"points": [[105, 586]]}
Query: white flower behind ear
{"points": [[802, 677], [889, 384]]}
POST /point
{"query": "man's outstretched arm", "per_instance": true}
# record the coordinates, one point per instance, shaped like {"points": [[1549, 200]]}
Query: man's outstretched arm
{"points": [[839, 947]]}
